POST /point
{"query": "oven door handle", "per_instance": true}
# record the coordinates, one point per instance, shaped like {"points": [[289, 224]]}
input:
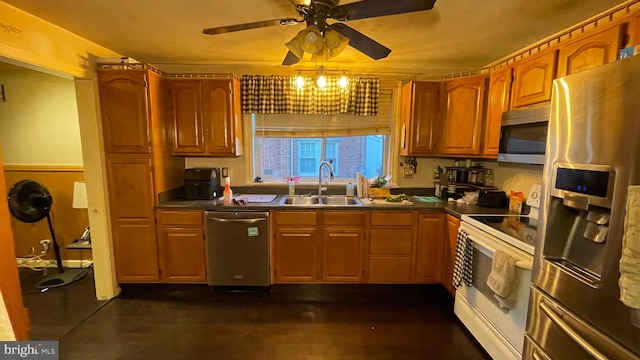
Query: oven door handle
{"points": [[522, 264]]}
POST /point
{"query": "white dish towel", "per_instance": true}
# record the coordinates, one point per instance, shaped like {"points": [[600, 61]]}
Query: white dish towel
{"points": [[500, 280], [630, 260]]}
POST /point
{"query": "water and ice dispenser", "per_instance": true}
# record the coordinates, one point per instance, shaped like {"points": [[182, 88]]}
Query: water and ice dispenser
{"points": [[578, 219]]}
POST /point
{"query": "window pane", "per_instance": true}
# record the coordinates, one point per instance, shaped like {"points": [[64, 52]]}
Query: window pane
{"points": [[302, 156]]}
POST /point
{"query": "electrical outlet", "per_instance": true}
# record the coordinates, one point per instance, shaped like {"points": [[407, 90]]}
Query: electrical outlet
{"points": [[45, 246], [407, 172]]}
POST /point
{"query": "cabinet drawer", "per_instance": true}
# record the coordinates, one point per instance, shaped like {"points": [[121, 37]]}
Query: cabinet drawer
{"points": [[389, 269], [391, 218], [301, 218], [391, 241], [179, 217], [344, 218]]}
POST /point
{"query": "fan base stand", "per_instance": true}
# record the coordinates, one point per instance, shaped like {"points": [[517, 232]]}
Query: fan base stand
{"points": [[61, 279]]}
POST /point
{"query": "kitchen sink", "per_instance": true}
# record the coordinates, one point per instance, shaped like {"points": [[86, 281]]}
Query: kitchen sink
{"points": [[340, 200], [328, 200], [300, 200]]}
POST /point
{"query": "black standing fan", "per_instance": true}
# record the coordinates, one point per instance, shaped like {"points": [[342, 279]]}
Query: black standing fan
{"points": [[30, 201]]}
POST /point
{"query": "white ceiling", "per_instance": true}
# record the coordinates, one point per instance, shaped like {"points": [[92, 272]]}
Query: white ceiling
{"points": [[457, 35]]}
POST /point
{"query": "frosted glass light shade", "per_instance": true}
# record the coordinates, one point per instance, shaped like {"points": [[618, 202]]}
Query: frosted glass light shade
{"points": [[80, 195]]}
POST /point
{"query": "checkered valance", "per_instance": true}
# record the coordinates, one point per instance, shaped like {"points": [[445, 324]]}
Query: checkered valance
{"points": [[280, 95]]}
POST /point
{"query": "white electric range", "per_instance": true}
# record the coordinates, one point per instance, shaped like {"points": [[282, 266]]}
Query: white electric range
{"points": [[498, 325]]}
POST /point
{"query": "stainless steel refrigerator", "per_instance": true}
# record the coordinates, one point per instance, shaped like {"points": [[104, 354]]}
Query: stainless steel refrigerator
{"points": [[592, 162]]}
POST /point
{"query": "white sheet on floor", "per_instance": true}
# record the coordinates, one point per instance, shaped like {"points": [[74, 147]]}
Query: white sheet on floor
{"points": [[6, 329]]}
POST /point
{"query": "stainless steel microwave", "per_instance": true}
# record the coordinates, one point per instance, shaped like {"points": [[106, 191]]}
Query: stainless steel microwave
{"points": [[523, 135]]}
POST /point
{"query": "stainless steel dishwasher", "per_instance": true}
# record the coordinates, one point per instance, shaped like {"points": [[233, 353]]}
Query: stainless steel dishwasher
{"points": [[237, 248]]}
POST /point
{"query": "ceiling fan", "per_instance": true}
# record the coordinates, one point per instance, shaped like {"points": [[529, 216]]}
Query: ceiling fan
{"points": [[324, 39]]}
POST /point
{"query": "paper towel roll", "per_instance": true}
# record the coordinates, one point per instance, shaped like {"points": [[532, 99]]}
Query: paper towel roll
{"points": [[359, 192]]}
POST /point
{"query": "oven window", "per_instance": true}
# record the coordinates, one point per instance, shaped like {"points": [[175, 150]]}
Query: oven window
{"points": [[524, 138], [481, 269]]}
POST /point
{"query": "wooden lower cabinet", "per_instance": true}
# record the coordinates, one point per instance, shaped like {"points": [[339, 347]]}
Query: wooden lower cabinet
{"points": [[295, 254], [342, 255], [135, 250], [391, 246], [449, 253], [181, 246], [430, 247], [353, 246], [294, 249], [131, 201]]}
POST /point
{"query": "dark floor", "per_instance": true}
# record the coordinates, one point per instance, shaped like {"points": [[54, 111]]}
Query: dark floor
{"points": [[288, 322], [56, 311]]}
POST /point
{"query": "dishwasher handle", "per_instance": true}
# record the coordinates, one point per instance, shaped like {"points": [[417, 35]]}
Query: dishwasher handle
{"points": [[246, 221]]}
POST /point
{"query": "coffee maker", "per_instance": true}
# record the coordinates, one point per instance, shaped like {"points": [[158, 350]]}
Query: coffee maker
{"points": [[202, 183]]}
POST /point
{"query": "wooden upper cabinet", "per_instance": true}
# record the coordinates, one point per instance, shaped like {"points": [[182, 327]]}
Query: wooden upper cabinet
{"points": [[125, 111], [420, 111], [498, 97], [187, 123], [206, 117], [533, 78], [634, 29], [592, 49], [464, 113], [222, 117]]}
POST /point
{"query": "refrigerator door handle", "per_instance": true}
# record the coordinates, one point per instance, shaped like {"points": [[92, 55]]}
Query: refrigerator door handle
{"points": [[556, 319]]}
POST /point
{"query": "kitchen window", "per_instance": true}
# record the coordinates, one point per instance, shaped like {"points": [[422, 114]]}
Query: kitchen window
{"points": [[290, 145]]}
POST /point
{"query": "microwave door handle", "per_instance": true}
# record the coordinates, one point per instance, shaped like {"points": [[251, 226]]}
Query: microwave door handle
{"points": [[522, 264], [556, 319]]}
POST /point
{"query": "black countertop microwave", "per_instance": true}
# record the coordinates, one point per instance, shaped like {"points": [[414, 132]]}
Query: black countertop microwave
{"points": [[523, 135]]}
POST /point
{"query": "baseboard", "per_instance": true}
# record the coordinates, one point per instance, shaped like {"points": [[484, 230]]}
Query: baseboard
{"points": [[52, 264]]}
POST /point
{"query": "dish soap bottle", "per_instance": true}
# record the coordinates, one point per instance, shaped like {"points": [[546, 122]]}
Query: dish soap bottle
{"points": [[228, 193], [292, 188]]}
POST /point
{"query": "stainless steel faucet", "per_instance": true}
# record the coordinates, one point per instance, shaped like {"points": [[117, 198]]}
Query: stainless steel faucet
{"points": [[320, 176]]}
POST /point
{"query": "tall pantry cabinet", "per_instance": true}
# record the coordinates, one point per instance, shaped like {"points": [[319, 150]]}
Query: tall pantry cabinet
{"points": [[134, 106]]}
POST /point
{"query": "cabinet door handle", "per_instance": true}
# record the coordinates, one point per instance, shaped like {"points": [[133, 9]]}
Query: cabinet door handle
{"points": [[299, 235], [556, 319]]}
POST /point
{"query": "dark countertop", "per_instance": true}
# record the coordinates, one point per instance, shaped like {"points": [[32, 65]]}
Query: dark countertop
{"points": [[450, 207]]}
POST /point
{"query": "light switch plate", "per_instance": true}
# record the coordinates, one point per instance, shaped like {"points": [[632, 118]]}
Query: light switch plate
{"points": [[225, 172], [533, 199]]}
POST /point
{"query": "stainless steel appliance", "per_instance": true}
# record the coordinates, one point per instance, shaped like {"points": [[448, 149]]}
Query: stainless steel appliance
{"points": [[592, 157], [202, 183], [523, 135], [237, 248], [497, 325]]}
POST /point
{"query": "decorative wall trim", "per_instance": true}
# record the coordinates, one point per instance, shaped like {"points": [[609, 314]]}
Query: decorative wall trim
{"points": [[614, 14], [43, 167]]}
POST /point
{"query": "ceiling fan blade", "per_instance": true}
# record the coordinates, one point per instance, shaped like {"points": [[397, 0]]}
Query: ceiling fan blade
{"points": [[251, 25], [290, 59], [362, 43], [371, 8]]}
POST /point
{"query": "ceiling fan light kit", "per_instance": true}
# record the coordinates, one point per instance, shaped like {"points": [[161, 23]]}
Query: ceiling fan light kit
{"points": [[331, 39]]}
